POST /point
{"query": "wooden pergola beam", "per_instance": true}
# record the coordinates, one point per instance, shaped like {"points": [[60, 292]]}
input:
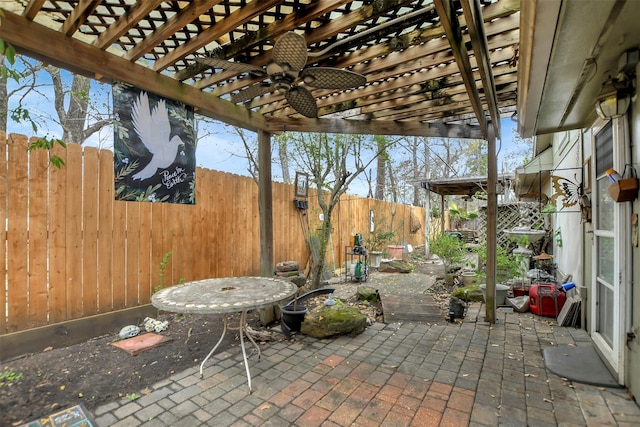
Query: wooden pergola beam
{"points": [[473, 15], [26, 36], [453, 31], [362, 127]]}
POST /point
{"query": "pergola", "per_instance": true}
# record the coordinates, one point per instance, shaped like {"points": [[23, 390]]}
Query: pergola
{"points": [[433, 68]]}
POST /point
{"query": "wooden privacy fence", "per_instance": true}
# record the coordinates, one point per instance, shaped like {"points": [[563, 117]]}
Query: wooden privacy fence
{"points": [[70, 250]]}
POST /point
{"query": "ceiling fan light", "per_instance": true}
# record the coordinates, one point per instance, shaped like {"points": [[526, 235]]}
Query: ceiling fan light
{"points": [[614, 98]]}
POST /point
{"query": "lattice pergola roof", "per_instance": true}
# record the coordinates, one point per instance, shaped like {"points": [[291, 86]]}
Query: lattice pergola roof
{"points": [[432, 67]]}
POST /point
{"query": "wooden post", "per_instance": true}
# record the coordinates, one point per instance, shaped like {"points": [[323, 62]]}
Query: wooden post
{"points": [[427, 222], [492, 208], [442, 213], [265, 204]]}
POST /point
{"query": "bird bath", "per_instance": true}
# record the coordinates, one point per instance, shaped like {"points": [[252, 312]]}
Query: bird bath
{"points": [[524, 235], [524, 232], [518, 233]]}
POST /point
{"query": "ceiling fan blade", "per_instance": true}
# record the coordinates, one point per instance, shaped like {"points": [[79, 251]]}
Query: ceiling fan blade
{"points": [[251, 92], [291, 49], [332, 78], [232, 66], [302, 101]]}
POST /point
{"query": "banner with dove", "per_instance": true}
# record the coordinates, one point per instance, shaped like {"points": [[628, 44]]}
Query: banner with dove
{"points": [[154, 148]]}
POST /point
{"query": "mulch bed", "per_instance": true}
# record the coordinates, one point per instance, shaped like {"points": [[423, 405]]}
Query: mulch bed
{"points": [[95, 372]]}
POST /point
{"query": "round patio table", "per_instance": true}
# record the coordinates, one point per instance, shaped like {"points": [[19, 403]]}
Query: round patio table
{"points": [[225, 295]]}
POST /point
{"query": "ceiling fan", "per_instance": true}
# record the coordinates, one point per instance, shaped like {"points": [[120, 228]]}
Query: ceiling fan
{"points": [[289, 56]]}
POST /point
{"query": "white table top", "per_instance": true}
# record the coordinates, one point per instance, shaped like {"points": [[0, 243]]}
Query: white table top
{"points": [[223, 295]]}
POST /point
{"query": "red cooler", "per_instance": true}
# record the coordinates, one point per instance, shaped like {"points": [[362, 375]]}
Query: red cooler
{"points": [[546, 300]]}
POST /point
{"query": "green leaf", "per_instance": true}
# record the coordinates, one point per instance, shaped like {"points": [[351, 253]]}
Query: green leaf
{"points": [[10, 54]]}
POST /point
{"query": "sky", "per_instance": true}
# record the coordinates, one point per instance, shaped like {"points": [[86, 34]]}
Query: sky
{"points": [[219, 147]]}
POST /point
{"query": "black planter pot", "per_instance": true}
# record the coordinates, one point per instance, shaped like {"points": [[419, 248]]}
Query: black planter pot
{"points": [[292, 318]]}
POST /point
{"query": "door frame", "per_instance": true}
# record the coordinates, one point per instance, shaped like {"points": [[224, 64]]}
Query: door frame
{"points": [[614, 355]]}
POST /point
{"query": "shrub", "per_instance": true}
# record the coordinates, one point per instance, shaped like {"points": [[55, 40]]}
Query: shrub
{"points": [[449, 248]]}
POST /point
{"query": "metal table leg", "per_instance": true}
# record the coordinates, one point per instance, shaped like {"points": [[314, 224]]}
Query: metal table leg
{"points": [[243, 332], [224, 331]]}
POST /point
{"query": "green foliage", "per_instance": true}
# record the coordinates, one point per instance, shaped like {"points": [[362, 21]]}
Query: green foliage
{"points": [[20, 114], [459, 216], [163, 268], [381, 237], [558, 236], [333, 162], [9, 53], [549, 209], [8, 376], [508, 265], [48, 144], [449, 248]]}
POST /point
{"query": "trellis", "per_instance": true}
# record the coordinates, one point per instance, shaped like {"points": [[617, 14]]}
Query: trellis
{"points": [[510, 215]]}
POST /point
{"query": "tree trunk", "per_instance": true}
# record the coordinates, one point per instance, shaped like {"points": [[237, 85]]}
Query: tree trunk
{"points": [[319, 263], [74, 118], [381, 175], [284, 160]]}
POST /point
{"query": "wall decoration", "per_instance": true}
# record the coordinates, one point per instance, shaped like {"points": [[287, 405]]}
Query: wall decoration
{"points": [[570, 191], [154, 147], [302, 184]]}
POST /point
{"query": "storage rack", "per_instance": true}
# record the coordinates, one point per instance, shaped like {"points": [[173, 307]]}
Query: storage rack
{"points": [[354, 255]]}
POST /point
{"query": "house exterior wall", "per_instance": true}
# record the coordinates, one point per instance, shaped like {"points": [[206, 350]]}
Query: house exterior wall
{"points": [[632, 356], [587, 229], [573, 152], [566, 221]]}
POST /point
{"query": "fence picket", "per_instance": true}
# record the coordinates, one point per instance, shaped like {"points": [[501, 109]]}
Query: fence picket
{"points": [[17, 232], [89, 257], [133, 254], [119, 255], [145, 250], [105, 232], [38, 207], [3, 217], [73, 234], [57, 240], [157, 247]]}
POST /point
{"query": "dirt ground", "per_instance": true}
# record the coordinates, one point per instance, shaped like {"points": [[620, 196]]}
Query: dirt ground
{"points": [[95, 372]]}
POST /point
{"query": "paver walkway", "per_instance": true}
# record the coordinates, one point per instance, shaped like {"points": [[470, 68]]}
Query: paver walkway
{"points": [[469, 373]]}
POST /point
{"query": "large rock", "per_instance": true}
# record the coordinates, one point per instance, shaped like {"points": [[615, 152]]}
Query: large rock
{"points": [[296, 277], [327, 321], [394, 267]]}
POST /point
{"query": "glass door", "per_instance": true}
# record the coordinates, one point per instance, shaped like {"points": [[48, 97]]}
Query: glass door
{"points": [[607, 307]]}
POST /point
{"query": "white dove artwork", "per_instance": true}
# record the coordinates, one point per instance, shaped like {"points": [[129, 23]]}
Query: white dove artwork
{"points": [[158, 165]]}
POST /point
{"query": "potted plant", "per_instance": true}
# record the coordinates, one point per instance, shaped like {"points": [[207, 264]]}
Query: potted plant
{"points": [[451, 250], [292, 316], [469, 274], [378, 241]]}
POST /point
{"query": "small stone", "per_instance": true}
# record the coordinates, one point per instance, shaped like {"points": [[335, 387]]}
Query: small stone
{"points": [[288, 266], [456, 308], [367, 293]]}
